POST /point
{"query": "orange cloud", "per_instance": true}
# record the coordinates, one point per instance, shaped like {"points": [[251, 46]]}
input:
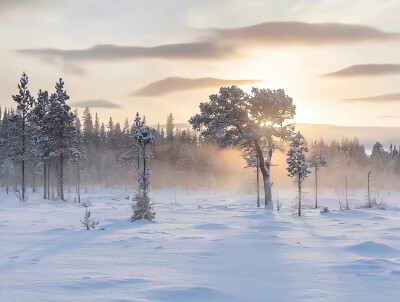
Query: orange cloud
{"points": [[173, 84]]}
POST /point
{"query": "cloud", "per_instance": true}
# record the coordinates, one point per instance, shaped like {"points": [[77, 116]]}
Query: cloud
{"points": [[9, 5], [73, 69], [193, 51], [300, 33], [222, 43], [366, 70], [392, 97], [100, 103], [389, 116], [173, 84]]}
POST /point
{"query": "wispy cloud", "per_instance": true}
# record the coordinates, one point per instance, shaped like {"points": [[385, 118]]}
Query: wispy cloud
{"points": [[99, 103], [389, 116], [173, 84], [392, 97], [367, 70], [300, 33], [224, 43], [181, 51]]}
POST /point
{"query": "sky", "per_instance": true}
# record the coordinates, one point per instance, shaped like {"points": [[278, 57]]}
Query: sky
{"points": [[339, 60]]}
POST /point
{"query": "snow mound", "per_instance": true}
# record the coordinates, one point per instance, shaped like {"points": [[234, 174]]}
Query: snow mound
{"points": [[373, 249]]}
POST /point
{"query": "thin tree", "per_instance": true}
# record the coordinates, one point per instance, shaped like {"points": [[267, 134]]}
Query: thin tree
{"points": [[61, 130], [24, 102], [316, 160], [142, 203], [297, 165]]}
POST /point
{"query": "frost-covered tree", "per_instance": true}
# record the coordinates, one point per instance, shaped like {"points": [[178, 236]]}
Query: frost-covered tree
{"points": [[316, 160], [42, 140], [142, 207], [297, 165], [20, 137], [61, 130], [234, 118]]}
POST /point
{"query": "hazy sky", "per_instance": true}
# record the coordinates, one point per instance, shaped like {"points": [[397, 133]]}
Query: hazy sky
{"points": [[338, 59]]}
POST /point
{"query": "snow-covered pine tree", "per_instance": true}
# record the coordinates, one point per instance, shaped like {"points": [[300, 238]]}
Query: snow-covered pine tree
{"points": [[60, 128], [20, 137], [297, 165], [87, 222], [316, 160], [235, 118], [142, 206], [41, 138]]}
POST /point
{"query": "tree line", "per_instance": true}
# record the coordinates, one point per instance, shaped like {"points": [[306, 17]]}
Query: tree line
{"points": [[44, 142]]}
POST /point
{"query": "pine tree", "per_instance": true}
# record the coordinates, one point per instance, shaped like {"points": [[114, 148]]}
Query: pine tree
{"points": [[170, 129], [297, 165], [87, 125], [235, 118], [43, 143], [60, 127], [142, 203], [24, 102]]}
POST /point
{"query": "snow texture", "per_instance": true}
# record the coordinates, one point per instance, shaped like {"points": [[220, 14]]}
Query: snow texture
{"points": [[203, 247]]}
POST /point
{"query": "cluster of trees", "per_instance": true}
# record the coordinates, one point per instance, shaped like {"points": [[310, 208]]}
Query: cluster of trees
{"points": [[44, 142], [40, 134]]}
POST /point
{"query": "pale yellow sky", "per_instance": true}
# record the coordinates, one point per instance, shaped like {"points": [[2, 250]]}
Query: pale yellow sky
{"points": [[284, 55]]}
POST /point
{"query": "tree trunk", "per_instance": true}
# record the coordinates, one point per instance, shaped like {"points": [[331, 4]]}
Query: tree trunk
{"points": [[34, 180], [7, 185], [369, 194], [62, 177], [44, 181], [265, 166], [48, 181], [79, 184], [347, 201], [52, 189], [316, 187], [258, 185], [299, 184], [23, 179], [23, 157]]}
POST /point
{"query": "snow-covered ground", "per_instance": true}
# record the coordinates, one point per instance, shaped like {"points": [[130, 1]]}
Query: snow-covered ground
{"points": [[203, 247]]}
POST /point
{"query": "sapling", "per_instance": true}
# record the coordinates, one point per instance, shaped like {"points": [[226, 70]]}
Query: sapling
{"points": [[88, 222]]}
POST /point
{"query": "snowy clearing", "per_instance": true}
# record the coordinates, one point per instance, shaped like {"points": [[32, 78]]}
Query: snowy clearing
{"points": [[204, 247]]}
